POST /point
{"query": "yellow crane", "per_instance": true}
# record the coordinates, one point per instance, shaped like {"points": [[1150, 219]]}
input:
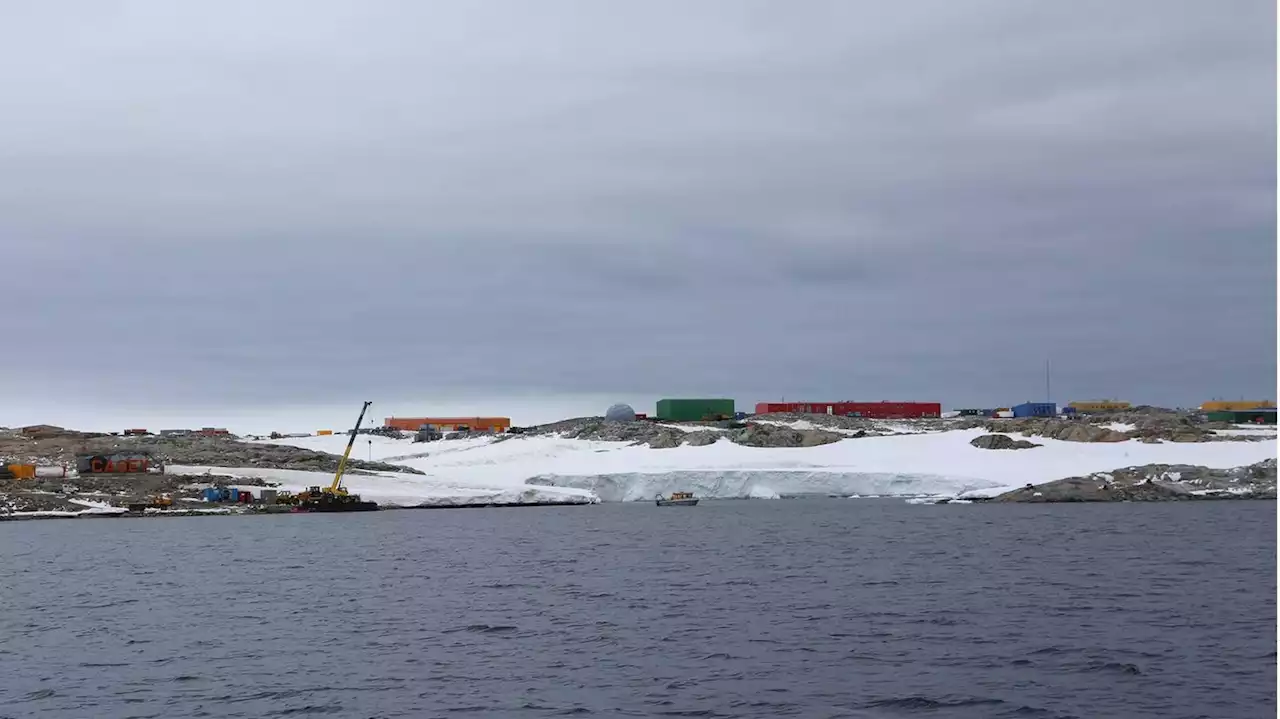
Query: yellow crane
{"points": [[335, 498], [336, 486]]}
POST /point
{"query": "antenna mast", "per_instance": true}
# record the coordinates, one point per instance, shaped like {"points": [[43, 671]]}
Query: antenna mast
{"points": [[1048, 394]]}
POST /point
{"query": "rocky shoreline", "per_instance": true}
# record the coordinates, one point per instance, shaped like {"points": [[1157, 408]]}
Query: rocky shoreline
{"points": [[48, 446], [1153, 483]]}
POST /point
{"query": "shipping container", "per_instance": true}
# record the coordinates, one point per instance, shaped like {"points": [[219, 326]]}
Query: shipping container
{"points": [[450, 424], [22, 471], [1004, 414], [135, 432], [114, 463], [1099, 405], [694, 410], [324, 432], [1244, 416], [876, 410], [1219, 405], [212, 494], [52, 472], [1035, 409], [267, 496]]}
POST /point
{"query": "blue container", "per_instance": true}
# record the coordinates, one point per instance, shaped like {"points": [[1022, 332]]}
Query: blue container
{"points": [[988, 413], [1035, 409], [1068, 410], [212, 494], [739, 416]]}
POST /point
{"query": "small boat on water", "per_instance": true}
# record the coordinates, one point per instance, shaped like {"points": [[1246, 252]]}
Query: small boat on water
{"points": [[677, 499]]}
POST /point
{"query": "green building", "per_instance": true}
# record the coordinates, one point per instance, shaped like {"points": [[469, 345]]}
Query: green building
{"points": [[694, 410], [1244, 416]]}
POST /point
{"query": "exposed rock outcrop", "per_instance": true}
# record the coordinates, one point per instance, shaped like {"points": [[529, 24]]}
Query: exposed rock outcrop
{"points": [[663, 436], [701, 439], [774, 435], [1171, 429], [1001, 441], [653, 434], [1155, 482], [212, 451], [1068, 430], [1086, 489]]}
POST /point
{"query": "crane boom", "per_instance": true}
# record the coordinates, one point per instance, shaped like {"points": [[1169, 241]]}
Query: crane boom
{"points": [[342, 463]]}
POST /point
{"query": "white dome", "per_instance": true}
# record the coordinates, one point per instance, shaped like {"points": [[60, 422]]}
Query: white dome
{"points": [[620, 413]]}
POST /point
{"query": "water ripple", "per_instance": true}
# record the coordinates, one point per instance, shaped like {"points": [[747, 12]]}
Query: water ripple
{"points": [[819, 608]]}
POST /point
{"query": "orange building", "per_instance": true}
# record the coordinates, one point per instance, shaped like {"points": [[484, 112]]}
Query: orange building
{"points": [[450, 424]]}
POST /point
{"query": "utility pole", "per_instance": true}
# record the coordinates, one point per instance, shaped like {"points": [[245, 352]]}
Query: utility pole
{"points": [[1048, 394]]}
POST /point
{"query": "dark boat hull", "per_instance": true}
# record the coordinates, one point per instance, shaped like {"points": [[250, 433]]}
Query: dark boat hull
{"points": [[328, 504], [352, 507]]}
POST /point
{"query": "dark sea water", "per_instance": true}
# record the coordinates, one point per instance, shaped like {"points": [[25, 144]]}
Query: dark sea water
{"points": [[806, 608]]}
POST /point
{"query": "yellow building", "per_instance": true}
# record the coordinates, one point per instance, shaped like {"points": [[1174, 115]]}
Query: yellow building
{"points": [[1235, 405], [1099, 405]]}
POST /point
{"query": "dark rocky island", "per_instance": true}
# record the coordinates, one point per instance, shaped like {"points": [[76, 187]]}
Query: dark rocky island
{"points": [[1154, 483]]}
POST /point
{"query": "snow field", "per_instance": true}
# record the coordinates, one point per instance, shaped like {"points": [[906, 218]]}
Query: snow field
{"points": [[922, 464]]}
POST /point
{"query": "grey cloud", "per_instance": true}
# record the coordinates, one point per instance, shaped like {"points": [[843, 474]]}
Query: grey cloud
{"points": [[919, 199]]}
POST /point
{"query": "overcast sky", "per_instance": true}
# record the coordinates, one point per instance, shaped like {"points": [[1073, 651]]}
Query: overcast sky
{"points": [[247, 204]]}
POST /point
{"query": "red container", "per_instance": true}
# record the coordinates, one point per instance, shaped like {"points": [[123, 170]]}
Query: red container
{"points": [[112, 464], [770, 407], [874, 410], [245, 497]]}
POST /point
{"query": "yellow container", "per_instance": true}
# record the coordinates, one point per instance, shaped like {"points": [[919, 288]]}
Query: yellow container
{"points": [[1235, 405], [323, 432], [1099, 405], [23, 471]]}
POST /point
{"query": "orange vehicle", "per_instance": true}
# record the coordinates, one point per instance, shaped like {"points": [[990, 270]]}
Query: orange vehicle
{"points": [[450, 424]]}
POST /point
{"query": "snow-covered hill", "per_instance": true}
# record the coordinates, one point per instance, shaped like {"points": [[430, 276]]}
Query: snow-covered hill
{"points": [[938, 463]]}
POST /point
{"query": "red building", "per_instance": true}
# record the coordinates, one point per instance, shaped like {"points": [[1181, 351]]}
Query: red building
{"points": [[874, 410]]}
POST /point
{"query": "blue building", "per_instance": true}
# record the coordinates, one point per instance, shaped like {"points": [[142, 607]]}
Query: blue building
{"points": [[1035, 409]]}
